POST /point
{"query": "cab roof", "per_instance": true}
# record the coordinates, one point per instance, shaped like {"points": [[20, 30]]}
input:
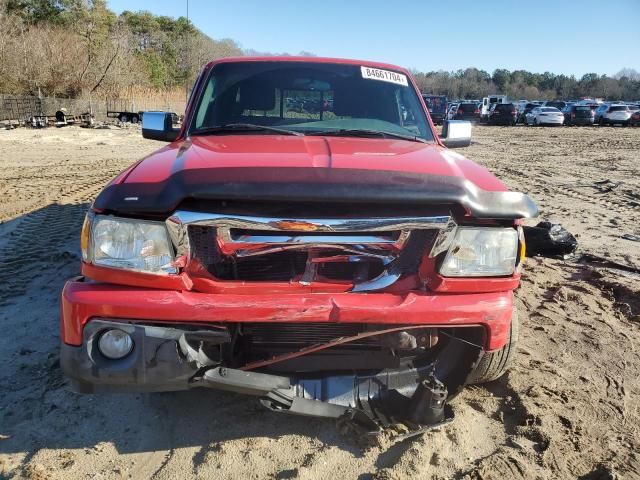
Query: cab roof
{"points": [[286, 58]]}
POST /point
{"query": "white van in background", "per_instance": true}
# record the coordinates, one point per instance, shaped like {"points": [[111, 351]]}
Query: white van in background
{"points": [[488, 101]]}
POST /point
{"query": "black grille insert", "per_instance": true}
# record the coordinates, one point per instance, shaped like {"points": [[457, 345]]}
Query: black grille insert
{"points": [[304, 334]]}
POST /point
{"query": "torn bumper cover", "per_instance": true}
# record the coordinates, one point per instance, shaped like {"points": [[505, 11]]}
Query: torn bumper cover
{"points": [[159, 361], [159, 322]]}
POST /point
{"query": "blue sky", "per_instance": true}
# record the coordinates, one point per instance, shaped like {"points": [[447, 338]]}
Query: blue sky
{"points": [[560, 36]]}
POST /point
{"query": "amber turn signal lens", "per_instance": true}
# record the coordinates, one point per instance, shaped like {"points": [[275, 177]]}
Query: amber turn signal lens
{"points": [[296, 226], [84, 239], [523, 244]]}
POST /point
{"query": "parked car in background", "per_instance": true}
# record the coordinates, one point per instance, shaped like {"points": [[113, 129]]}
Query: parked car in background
{"points": [[634, 107], [612, 114], [521, 104], [468, 111], [559, 104], [526, 109], [451, 111], [544, 116], [599, 111], [437, 106], [578, 115], [488, 101], [502, 114], [634, 121]]}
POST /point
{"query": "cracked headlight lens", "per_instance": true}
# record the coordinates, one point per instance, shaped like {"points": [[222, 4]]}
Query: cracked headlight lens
{"points": [[138, 245], [481, 252]]}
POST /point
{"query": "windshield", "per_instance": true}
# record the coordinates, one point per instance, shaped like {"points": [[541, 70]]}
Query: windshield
{"points": [[619, 108], [468, 107], [310, 98]]}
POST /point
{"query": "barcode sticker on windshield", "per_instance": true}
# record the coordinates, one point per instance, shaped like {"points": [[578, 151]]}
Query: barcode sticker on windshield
{"points": [[384, 75]]}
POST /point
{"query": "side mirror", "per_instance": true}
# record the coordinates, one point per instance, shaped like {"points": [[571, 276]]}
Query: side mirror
{"points": [[159, 126], [456, 133]]}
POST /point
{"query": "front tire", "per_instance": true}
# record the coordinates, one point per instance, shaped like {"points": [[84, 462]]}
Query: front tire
{"points": [[492, 365]]}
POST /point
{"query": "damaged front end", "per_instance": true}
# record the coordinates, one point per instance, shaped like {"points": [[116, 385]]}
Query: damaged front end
{"points": [[368, 377], [371, 314]]}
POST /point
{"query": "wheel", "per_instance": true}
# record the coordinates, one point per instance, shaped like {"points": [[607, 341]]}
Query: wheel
{"points": [[535, 122], [124, 118], [493, 365], [135, 119]]}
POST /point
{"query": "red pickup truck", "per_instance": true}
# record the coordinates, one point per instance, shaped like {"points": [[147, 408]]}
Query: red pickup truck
{"points": [[305, 237]]}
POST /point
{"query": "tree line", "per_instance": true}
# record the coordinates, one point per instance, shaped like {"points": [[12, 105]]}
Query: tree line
{"points": [[75, 48], [472, 83]]}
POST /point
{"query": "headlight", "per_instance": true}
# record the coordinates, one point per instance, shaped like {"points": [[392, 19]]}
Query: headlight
{"points": [[481, 252], [137, 245]]}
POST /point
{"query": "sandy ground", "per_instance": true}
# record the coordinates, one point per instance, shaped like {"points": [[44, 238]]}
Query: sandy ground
{"points": [[570, 408]]}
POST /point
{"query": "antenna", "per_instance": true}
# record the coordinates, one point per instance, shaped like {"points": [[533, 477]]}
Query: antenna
{"points": [[188, 64]]}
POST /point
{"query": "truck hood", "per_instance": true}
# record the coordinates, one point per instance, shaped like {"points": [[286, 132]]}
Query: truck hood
{"points": [[312, 169]]}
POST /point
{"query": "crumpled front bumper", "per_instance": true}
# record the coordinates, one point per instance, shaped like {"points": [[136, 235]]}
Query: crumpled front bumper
{"points": [[158, 319], [157, 363]]}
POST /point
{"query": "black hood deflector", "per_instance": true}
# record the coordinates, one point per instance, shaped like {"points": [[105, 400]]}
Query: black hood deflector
{"points": [[317, 185]]}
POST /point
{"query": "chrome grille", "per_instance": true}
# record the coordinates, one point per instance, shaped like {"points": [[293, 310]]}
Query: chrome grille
{"points": [[370, 253]]}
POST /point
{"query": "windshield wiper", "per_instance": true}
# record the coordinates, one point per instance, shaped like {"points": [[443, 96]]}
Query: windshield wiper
{"points": [[360, 132], [243, 127]]}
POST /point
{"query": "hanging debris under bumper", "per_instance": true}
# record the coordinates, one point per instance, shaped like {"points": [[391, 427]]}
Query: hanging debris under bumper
{"points": [[363, 405], [173, 358], [388, 392]]}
